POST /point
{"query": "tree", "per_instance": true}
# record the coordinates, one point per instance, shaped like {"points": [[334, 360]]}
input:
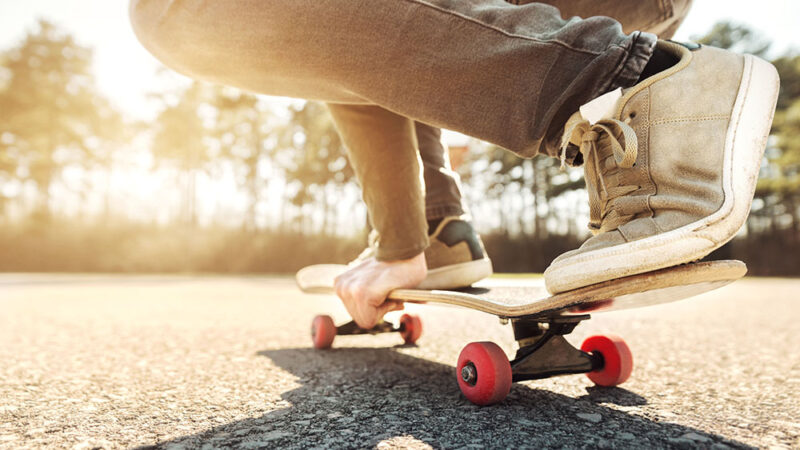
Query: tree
{"points": [[53, 115], [779, 189], [314, 161], [180, 142], [240, 130], [736, 37]]}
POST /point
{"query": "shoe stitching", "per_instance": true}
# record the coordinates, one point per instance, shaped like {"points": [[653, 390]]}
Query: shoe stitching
{"points": [[691, 119]]}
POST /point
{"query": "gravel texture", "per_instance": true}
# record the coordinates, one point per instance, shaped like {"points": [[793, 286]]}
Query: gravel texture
{"points": [[191, 362]]}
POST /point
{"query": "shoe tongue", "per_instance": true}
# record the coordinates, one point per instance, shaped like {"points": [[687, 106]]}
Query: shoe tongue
{"points": [[602, 107]]}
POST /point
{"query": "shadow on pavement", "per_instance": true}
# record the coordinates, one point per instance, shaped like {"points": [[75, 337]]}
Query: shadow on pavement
{"points": [[358, 397], [616, 396]]}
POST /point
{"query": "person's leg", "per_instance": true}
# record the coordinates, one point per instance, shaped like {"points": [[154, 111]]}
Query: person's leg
{"points": [[507, 74], [660, 17], [392, 189], [456, 256], [442, 184], [442, 191], [382, 150], [443, 200], [442, 187], [382, 147]]}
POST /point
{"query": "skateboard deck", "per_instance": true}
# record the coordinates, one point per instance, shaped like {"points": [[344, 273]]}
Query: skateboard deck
{"points": [[530, 298]]}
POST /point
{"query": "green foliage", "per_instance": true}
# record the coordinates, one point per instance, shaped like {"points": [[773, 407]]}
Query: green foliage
{"points": [[779, 187], [241, 133], [782, 184], [312, 152], [736, 37], [179, 133], [789, 70]]}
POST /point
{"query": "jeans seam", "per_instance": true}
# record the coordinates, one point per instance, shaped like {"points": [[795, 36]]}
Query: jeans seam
{"points": [[503, 32], [613, 81]]}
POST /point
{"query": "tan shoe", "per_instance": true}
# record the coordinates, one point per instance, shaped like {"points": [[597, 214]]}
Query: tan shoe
{"points": [[672, 168], [455, 256]]}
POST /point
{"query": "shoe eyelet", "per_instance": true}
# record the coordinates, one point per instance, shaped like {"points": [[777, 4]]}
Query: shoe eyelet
{"points": [[632, 115]]}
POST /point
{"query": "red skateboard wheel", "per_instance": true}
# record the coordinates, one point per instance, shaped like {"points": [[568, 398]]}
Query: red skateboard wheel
{"points": [[484, 373], [323, 331], [617, 358], [412, 328]]}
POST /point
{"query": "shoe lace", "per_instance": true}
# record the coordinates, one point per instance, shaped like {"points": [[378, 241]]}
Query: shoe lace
{"points": [[598, 166]]}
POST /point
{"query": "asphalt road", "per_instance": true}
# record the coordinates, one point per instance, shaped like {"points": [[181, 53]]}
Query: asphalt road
{"points": [[176, 362]]}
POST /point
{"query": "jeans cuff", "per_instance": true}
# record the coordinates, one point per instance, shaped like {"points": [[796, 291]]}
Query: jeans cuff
{"points": [[441, 211], [639, 54]]}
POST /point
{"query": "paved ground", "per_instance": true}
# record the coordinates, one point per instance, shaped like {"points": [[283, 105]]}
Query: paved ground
{"points": [[187, 362]]}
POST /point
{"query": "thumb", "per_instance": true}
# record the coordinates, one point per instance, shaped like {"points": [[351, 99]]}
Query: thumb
{"points": [[389, 306]]}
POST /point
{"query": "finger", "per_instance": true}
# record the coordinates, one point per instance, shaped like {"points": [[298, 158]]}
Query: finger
{"points": [[385, 308], [397, 305], [364, 323]]}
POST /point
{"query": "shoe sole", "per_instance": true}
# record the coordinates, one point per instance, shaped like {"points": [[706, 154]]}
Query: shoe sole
{"points": [[457, 275], [744, 147]]}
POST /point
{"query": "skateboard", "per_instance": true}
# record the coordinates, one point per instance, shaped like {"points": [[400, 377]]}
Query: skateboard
{"points": [[539, 321]]}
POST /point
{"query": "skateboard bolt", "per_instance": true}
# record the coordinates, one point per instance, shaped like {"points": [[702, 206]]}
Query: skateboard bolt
{"points": [[469, 374]]}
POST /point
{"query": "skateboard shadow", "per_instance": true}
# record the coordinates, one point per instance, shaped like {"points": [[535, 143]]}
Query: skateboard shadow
{"points": [[359, 397], [617, 396]]}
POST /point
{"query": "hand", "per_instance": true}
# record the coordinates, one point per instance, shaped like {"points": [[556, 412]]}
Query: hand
{"points": [[363, 289]]}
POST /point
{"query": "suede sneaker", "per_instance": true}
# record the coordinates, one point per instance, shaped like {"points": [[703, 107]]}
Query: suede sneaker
{"points": [[670, 164], [455, 256]]}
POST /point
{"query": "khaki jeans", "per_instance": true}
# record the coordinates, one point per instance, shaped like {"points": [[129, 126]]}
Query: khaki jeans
{"points": [[504, 73]]}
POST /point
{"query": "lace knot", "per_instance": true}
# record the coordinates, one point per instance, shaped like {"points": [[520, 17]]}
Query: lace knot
{"points": [[623, 143]]}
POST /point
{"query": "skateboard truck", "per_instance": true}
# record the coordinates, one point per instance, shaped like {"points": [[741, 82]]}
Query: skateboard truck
{"points": [[323, 330], [544, 352], [485, 374], [350, 328]]}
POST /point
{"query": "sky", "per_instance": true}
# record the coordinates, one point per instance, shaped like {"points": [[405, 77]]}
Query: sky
{"points": [[126, 72]]}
